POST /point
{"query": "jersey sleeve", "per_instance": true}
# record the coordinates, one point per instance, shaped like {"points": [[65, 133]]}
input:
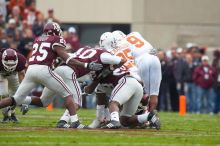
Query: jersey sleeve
{"points": [[22, 63], [107, 58], [59, 41]]}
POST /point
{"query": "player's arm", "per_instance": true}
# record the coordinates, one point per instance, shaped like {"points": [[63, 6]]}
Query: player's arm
{"points": [[91, 87], [21, 75], [69, 60], [113, 60], [106, 58], [22, 66]]}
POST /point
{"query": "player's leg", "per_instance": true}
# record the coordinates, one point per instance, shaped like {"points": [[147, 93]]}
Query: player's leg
{"points": [[23, 90], [150, 72], [3, 93], [101, 110], [120, 95], [130, 107], [13, 84], [103, 91], [69, 77], [53, 82]]}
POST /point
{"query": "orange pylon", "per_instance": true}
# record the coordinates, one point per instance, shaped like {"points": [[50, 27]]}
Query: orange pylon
{"points": [[182, 105]]}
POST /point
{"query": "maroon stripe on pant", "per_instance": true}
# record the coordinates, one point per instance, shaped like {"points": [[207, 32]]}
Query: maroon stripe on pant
{"points": [[60, 81], [77, 89], [118, 87]]}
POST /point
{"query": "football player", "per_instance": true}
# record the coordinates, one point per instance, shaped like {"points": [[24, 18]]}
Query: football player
{"points": [[12, 71], [127, 91], [46, 49], [70, 75], [147, 62]]}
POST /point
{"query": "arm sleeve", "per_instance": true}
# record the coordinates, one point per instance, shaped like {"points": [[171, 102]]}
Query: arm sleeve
{"points": [[107, 58], [59, 41], [22, 63]]}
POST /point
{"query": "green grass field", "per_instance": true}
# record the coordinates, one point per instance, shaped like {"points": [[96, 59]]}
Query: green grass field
{"points": [[37, 128]]}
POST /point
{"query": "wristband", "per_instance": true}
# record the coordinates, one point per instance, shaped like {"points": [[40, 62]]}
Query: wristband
{"points": [[85, 65], [68, 59]]}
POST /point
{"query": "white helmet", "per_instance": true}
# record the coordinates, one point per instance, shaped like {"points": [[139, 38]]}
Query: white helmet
{"points": [[107, 41], [119, 36]]}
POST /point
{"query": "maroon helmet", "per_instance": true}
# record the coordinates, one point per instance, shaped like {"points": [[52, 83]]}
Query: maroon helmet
{"points": [[9, 59], [52, 28]]}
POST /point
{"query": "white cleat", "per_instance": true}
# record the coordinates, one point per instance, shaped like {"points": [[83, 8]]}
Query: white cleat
{"points": [[95, 124]]}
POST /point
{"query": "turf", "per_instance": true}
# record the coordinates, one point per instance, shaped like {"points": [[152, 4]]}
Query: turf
{"points": [[37, 128]]}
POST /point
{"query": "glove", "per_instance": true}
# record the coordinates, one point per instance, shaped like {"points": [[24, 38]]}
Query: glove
{"points": [[94, 66]]}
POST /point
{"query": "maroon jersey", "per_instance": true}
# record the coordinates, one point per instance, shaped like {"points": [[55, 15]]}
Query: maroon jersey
{"points": [[87, 55], [43, 52], [22, 64], [112, 79]]}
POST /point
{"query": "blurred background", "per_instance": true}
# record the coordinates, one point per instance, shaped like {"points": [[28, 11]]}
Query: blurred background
{"points": [[186, 33]]}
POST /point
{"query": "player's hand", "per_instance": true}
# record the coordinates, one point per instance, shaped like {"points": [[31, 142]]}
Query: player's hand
{"points": [[87, 91], [94, 66]]}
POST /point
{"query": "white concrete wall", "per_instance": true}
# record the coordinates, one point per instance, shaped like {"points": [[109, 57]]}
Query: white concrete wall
{"points": [[89, 11], [162, 22]]}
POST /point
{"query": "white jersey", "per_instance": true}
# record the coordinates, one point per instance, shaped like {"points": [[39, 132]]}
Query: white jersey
{"points": [[137, 44], [129, 65]]}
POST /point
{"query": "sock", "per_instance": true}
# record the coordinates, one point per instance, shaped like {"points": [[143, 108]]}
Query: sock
{"points": [[66, 116], [27, 100], [142, 118], [74, 118], [100, 112], [107, 114], [115, 116]]}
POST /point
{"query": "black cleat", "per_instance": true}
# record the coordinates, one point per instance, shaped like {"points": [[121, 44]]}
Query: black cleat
{"points": [[14, 118], [112, 125], [154, 120], [62, 124], [78, 125], [5, 119]]}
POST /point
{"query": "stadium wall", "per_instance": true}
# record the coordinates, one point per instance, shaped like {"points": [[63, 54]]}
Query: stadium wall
{"points": [[162, 22]]}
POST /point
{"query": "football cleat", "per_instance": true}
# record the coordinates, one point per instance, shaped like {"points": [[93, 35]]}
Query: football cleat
{"points": [[96, 124], [14, 118], [78, 125], [154, 120], [5, 119], [6, 111], [24, 109], [62, 124], [112, 125], [140, 110]]}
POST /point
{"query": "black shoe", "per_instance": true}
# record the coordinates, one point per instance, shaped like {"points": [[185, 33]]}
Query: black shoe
{"points": [[24, 109], [154, 120], [5, 119], [14, 118], [112, 125], [62, 124], [78, 125], [140, 110]]}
